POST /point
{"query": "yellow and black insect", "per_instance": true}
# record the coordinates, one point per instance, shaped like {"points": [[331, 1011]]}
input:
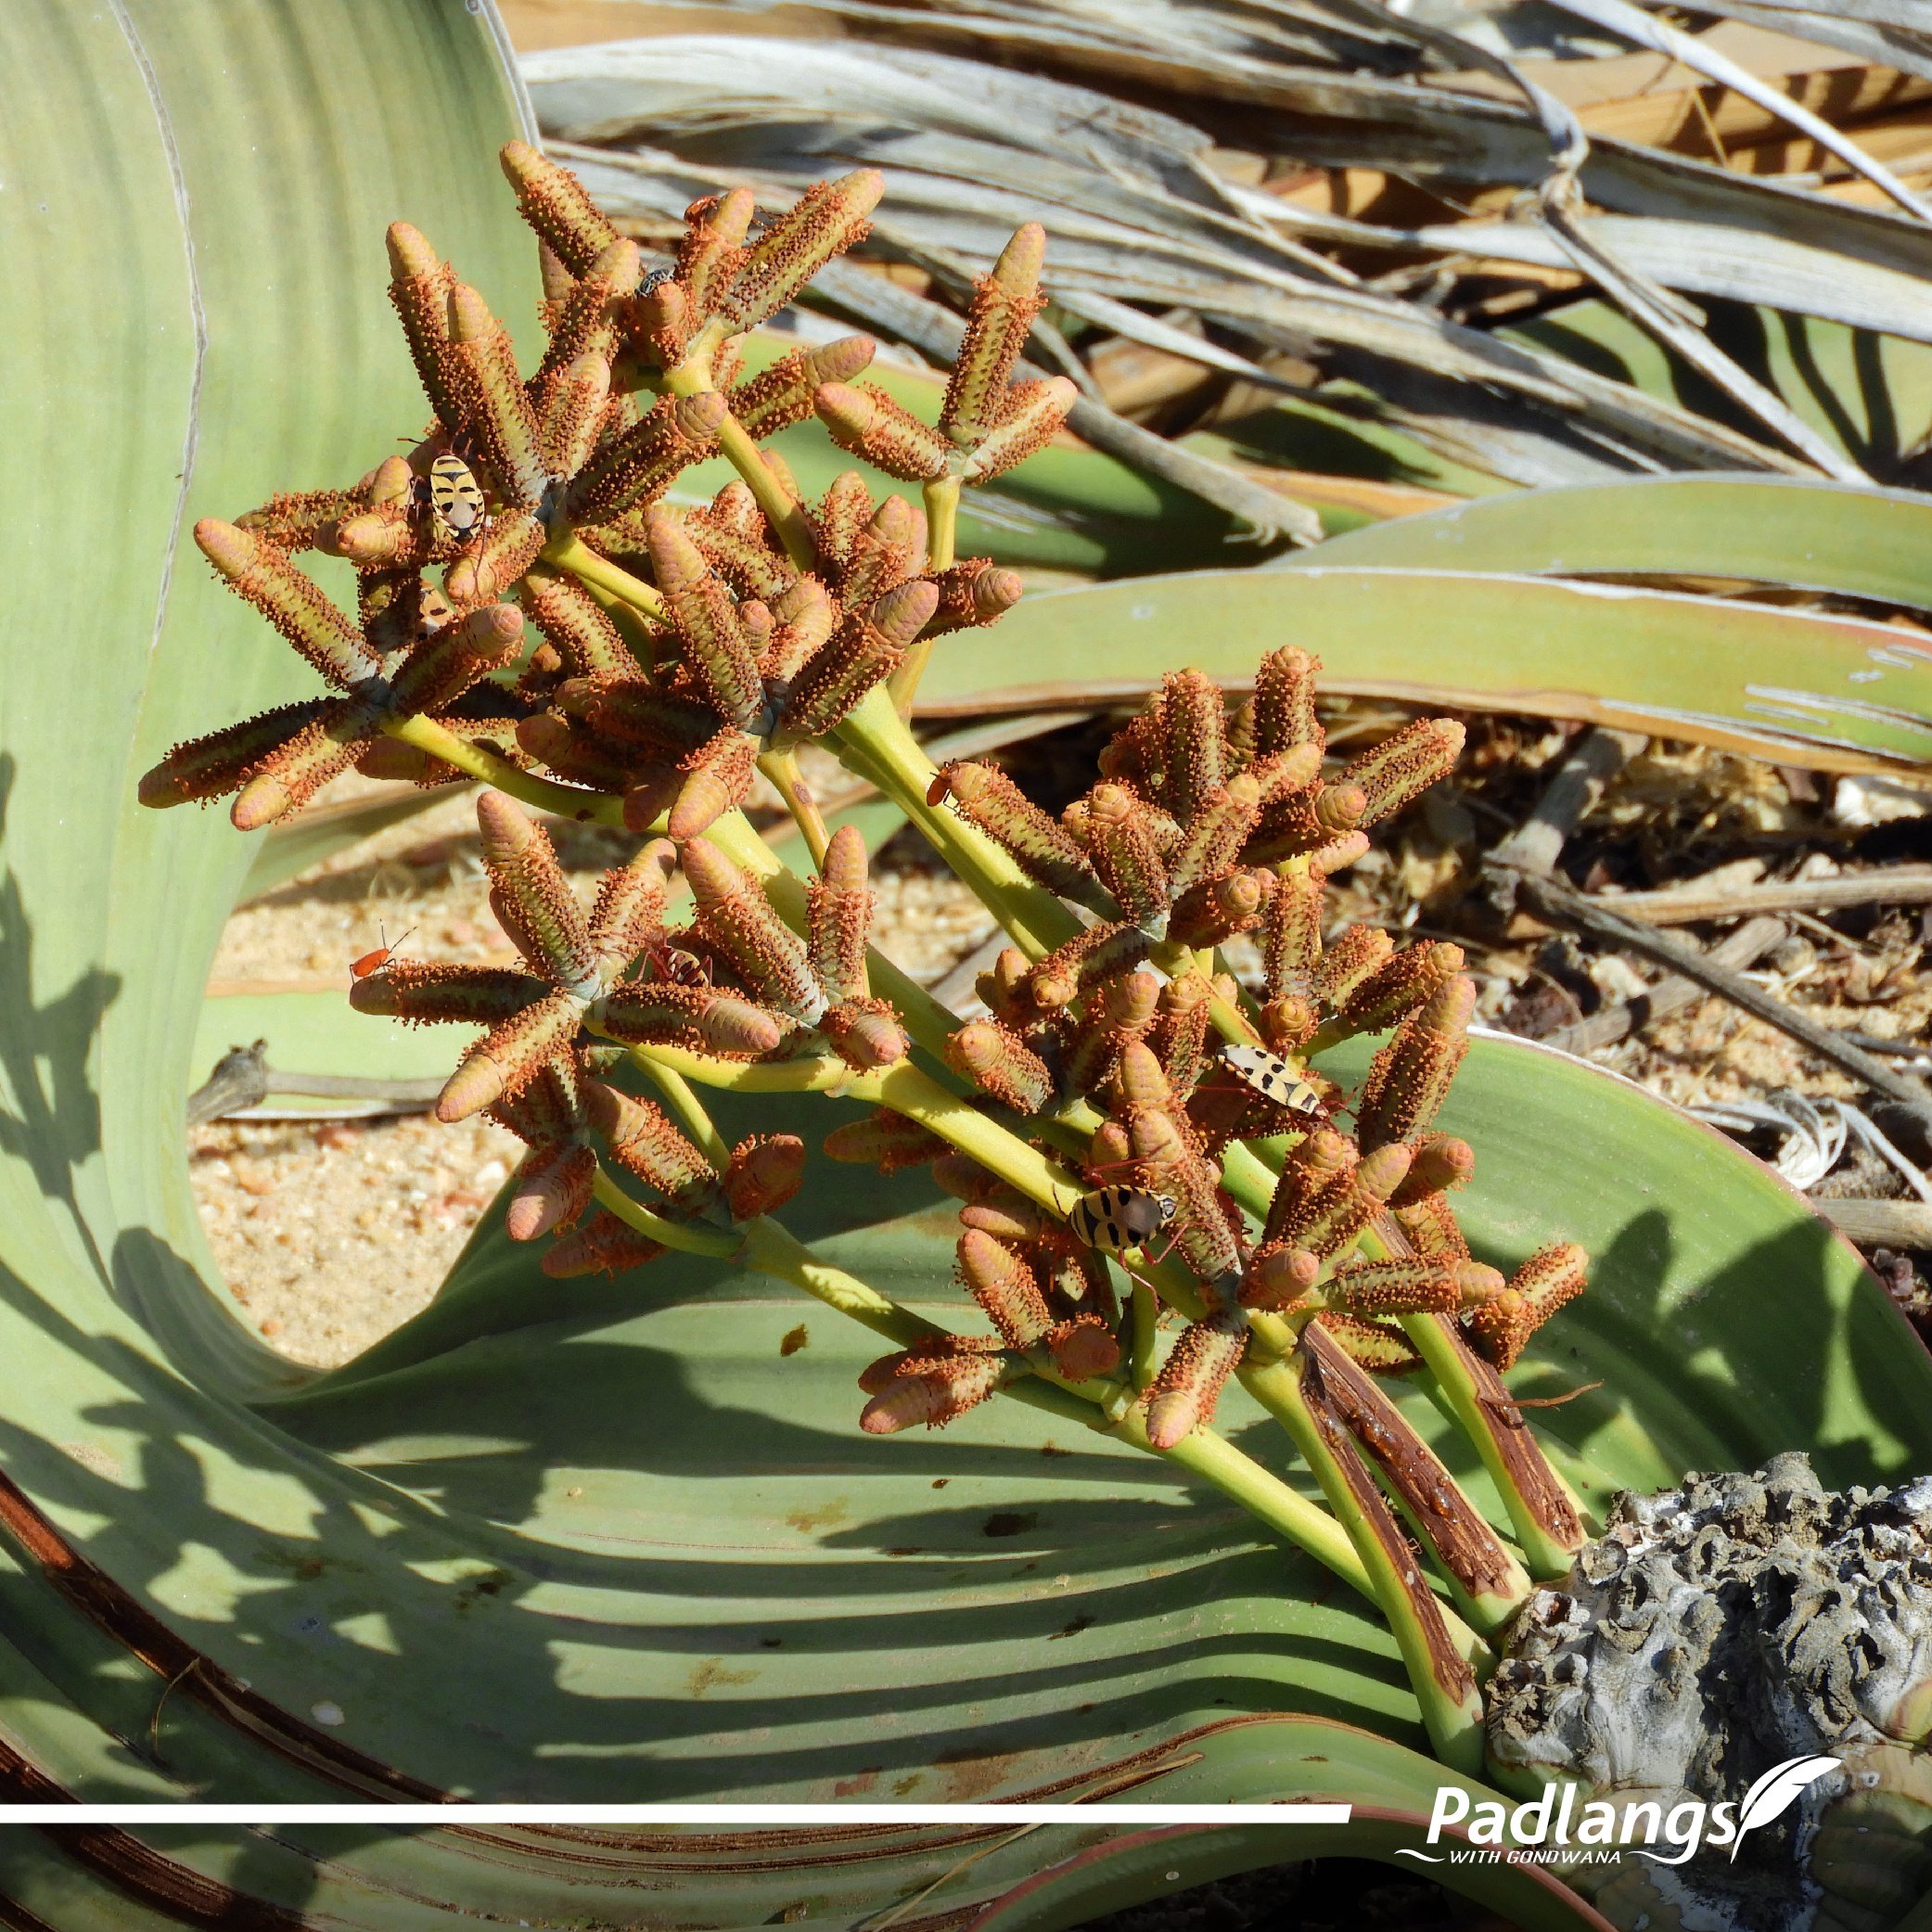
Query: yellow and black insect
{"points": [[1272, 1077], [455, 498], [1117, 1218]]}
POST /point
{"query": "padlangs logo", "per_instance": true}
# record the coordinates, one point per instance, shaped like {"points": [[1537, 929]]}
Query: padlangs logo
{"points": [[1557, 1828]]}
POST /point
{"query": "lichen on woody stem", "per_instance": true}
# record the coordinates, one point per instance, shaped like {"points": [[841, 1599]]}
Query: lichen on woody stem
{"points": [[1092, 1127]]}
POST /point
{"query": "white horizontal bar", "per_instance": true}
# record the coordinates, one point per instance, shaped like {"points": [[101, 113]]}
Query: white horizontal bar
{"points": [[1126, 1817]]}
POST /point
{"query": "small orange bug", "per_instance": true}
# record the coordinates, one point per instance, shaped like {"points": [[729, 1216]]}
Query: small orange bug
{"points": [[374, 962], [936, 793]]}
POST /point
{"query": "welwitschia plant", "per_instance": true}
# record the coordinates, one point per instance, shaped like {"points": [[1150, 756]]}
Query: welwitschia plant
{"points": [[1160, 1193]]}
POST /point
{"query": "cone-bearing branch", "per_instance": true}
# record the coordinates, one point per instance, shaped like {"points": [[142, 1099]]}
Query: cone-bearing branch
{"points": [[535, 608]]}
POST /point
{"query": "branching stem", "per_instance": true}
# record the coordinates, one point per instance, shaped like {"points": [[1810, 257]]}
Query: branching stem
{"points": [[772, 1250], [686, 1237], [1146, 1313], [881, 748], [564, 801], [942, 535], [942, 521], [782, 769], [570, 553], [694, 376]]}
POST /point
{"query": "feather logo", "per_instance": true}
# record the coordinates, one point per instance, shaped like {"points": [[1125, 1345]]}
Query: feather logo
{"points": [[1776, 1791]]}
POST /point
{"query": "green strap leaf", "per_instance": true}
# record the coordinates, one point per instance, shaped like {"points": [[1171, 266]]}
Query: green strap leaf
{"points": [[1828, 537], [1832, 693]]}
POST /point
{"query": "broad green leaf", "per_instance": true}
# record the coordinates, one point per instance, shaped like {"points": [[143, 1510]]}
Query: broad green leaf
{"points": [[1307, 1757], [636, 1491], [1867, 394], [202, 202], [1832, 693], [317, 1033], [728, 1483], [1035, 1877], [1853, 542], [536, 1545]]}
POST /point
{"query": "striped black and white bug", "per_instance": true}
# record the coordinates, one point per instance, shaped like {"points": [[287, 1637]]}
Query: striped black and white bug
{"points": [[1272, 1077], [455, 498], [1112, 1219]]}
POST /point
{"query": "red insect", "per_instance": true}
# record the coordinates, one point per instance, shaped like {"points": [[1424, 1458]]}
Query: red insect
{"points": [[936, 792], [675, 965], [374, 961]]}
